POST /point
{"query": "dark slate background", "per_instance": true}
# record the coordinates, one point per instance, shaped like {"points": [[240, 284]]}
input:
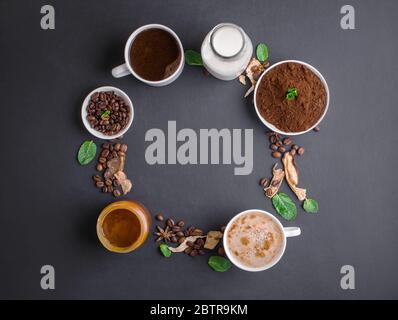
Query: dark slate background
{"points": [[49, 207]]}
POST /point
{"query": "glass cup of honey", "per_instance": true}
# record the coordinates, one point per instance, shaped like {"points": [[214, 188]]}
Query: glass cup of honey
{"points": [[123, 226]]}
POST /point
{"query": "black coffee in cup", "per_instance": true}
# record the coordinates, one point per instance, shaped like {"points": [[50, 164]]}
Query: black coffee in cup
{"points": [[155, 54]]}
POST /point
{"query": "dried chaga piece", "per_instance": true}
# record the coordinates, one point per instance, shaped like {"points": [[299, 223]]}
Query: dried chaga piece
{"points": [[212, 239], [125, 183], [292, 176], [114, 165], [275, 184]]}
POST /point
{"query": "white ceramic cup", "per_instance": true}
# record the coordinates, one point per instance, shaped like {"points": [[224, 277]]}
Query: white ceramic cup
{"points": [[286, 233], [127, 69], [270, 125], [96, 133]]}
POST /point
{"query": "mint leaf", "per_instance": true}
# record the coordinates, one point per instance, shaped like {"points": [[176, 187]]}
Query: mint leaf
{"points": [[262, 52], [284, 206], [164, 249], [105, 115], [193, 58], [291, 93], [311, 206], [219, 264], [87, 152]]}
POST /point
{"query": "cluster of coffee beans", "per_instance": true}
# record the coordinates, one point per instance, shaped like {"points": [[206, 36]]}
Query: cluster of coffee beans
{"points": [[109, 183], [176, 233], [107, 112], [280, 145]]}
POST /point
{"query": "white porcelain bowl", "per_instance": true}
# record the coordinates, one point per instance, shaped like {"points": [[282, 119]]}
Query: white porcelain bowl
{"points": [[270, 125], [119, 93]]}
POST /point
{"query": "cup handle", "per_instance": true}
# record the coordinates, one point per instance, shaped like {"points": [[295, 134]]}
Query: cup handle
{"points": [[292, 231], [120, 71]]}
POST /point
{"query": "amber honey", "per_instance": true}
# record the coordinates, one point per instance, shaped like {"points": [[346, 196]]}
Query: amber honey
{"points": [[123, 226]]}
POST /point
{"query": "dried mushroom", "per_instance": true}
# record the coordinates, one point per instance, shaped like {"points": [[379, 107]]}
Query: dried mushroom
{"points": [[292, 176], [125, 183], [212, 239], [253, 71], [184, 245], [276, 181], [114, 165]]}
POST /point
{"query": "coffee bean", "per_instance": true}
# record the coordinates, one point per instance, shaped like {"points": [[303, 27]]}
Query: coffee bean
{"points": [[282, 149], [181, 223], [102, 160], [317, 129], [108, 182], [201, 252], [97, 178], [193, 253], [263, 182], [158, 217], [110, 189], [104, 189], [200, 242], [116, 183], [293, 152], [176, 228], [273, 147], [100, 167], [121, 154], [221, 251], [190, 244], [117, 147], [99, 184], [123, 148], [275, 183], [295, 147], [105, 153], [269, 193], [188, 250], [180, 234], [174, 239], [116, 193], [272, 139], [287, 141], [181, 240], [170, 223], [105, 146], [276, 154], [278, 144], [301, 151]]}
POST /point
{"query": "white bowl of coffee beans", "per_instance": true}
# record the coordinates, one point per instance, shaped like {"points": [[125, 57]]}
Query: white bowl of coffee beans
{"points": [[107, 112]]}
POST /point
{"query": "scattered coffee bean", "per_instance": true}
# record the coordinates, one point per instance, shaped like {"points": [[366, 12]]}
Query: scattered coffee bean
{"points": [[170, 223], [201, 252], [221, 251], [275, 183], [188, 250], [97, 178], [273, 147], [193, 253], [158, 217], [116, 193], [197, 232], [273, 139], [180, 234], [105, 146], [104, 189], [263, 182], [200, 242], [301, 151], [181, 223], [181, 240], [295, 147], [105, 153], [176, 228], [102, 160], [287, 141], [108, 182], [99, 184], [116, 183], [123, 148], [282, 149], [99, 167], [190, 244], [174, 239], [276, 154]]}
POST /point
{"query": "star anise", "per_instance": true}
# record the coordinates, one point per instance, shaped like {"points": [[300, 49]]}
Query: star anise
{"points": [[164, 234]]}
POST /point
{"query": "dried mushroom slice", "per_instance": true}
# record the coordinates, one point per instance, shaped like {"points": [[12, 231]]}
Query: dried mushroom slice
{"points": [[125, 183], [253, 71], [276, 181], [292, 176], [212, 239]]}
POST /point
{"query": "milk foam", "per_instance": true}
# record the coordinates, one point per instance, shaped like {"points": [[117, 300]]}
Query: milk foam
{"points": [[255, 240]]}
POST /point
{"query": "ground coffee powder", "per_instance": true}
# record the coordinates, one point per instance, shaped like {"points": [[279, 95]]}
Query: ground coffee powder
{"points": [[155, 54], [294, 115]]}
